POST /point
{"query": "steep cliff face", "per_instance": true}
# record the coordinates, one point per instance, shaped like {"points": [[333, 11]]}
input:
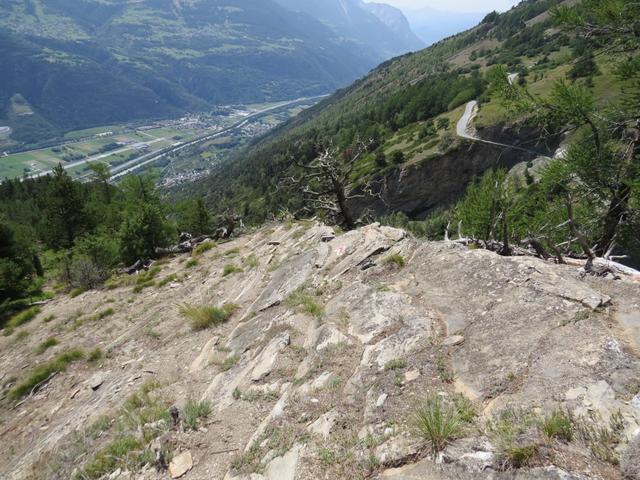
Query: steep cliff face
{"points": [[442, 180], [336, 350]]}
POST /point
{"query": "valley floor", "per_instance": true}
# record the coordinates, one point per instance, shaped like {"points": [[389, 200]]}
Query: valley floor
{"points": [[334, 344]]}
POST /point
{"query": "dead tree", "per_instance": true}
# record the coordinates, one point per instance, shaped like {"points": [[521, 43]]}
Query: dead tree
{"points": [[326, 184]]}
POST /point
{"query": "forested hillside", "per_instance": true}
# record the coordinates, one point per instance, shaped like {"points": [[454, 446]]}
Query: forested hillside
{"points": [[76, 64], [411, 162]]}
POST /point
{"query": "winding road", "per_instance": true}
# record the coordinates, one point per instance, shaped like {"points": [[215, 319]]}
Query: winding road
{"points": [[465, 130]]}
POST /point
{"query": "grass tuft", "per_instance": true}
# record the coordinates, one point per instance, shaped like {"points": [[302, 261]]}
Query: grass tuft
{"points": [[95, 354], [230, 268], [395, 259], [395, 364], [558, 425], [204, 247], [437, 422], [205, 316], [304, 302], [194, 410], [46, 345]]}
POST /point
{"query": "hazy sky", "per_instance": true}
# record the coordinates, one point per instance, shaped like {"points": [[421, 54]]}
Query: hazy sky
{"points": [[455, 5]]}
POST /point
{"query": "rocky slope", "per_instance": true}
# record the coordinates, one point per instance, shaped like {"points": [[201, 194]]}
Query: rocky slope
{"points": [[334, 343]]}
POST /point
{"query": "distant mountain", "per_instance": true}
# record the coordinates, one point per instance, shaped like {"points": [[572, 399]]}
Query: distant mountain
{"points": [[433, 25], [377, 27], [79, 63], [394, 19]]}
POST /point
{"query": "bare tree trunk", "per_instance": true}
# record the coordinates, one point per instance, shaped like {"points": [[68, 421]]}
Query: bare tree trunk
{"points": [[342, 204], [574, 229]]}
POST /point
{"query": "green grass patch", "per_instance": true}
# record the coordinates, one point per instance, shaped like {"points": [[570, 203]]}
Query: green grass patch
{"points": [[95, 354], [229, 362], [395, 259], [205, 316], [46, 345], [301, 301], [558, 425], [146, 279], [204, 247], [437, 422], [77, 292], [194, 410], [230, 269], [20, 319], [395, 364], [43, 371], [192, 262], [166, 280], [251, 261]]}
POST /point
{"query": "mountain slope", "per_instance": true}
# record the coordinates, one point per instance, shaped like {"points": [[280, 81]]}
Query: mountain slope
{"points": [[89, 62], [323, 365]]}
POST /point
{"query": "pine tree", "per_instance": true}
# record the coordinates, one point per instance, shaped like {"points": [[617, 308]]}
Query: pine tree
{"points": [[63, 210]]}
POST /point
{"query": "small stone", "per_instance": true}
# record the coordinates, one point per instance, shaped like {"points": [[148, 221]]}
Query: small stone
{"points": [[327, 237], [181, 464], [453, 341], [411, 376], [381, 399], [273, 243], [635, 402], [96, 381]]}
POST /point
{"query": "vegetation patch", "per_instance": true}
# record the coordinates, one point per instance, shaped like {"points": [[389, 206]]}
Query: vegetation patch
{"points": [[437, 422], [205, 316], [395, 259], [44, 371], [230, 269], [558, 425], [194, 411], [95, 355], [192, 262], [204, 247], [396, 364], [20, 319], [303, 302], [166, 280], [46, 345]]}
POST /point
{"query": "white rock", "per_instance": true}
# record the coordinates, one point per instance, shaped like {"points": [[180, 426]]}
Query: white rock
{"points": [[411, 375], [269, 356], [381, 399], [284, 468], [181, 464], [324, 424]]}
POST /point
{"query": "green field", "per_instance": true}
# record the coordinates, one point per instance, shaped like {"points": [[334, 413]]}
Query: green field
{"points": [[36, 161]]}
